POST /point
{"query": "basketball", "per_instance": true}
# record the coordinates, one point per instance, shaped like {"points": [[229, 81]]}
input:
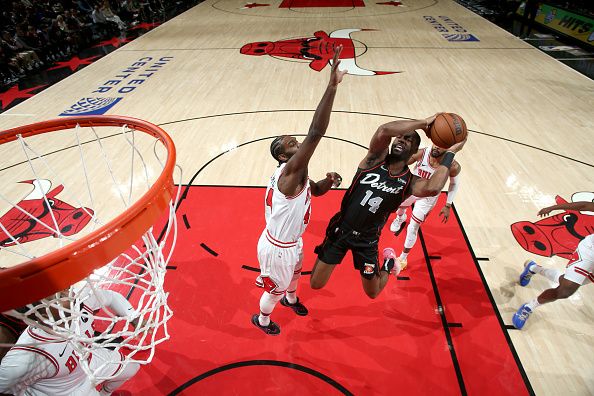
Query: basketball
{"points": [[448, 129]]}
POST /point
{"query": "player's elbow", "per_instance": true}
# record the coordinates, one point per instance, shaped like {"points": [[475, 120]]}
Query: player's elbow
{"points": [[384, 131]]}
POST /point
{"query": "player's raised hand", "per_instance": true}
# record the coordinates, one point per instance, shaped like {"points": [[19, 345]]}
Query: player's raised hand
{"points": [[445, 212], [429, 121], [336, 75], [545, 211], [458, 146], [335, 178]]}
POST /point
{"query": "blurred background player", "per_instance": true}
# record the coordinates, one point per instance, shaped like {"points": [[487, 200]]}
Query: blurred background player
{"points": [[288, 208], [579, 270], [426, 161], [41, 363]]}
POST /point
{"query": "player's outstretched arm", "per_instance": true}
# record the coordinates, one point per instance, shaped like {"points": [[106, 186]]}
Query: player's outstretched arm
{"points": [[579, 206], [297, 165], [332, 179], [433, 186], [381, 139], [452, 189]]}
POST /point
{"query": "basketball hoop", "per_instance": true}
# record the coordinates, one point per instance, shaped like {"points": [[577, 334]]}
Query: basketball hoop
{"points": [[117, 184]]}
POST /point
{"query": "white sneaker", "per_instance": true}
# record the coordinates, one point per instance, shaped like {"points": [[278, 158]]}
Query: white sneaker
{"points": [[403, 263], [398, 224]]}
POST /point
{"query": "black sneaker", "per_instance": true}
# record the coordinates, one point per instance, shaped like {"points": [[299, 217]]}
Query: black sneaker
{"points": [[271, 329], [297, 307]]}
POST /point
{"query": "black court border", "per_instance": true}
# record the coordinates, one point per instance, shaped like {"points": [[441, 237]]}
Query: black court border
{"points": [[248, 363]]}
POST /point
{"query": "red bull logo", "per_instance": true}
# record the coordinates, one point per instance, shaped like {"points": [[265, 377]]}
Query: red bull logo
{"points": [[39, 214], [317, 50], [556, 235]]}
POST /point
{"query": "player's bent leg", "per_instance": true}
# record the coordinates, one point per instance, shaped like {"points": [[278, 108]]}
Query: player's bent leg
{"points": [[373, 279], [373, 286], [320, 274], [565, 289], [412, 232]]}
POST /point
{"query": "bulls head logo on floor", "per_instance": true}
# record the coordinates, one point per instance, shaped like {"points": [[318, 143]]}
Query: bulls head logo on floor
{"points": [[39, 214], [556, 235], [318, 50]]}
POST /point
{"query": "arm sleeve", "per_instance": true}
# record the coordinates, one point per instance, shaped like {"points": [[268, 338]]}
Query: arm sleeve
{"points": [[453, 188], [22, 367]]}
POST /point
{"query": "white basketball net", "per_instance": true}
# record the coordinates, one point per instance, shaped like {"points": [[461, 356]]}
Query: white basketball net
{"points": [[103, 170]]}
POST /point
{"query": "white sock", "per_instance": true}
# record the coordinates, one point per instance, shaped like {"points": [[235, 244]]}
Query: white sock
{"points": [[401, 212], [267, 304], [291, 296], [551, 274], [533, 304], [291, 293], [403, 256]]}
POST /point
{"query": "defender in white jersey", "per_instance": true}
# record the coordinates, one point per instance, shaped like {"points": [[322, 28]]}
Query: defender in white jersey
{"points": [[426, 161], [43, 364], [287, 210], [579, 270]]}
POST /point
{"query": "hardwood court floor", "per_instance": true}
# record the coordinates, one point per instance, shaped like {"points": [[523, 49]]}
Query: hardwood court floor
{"points": [[530, 119]]}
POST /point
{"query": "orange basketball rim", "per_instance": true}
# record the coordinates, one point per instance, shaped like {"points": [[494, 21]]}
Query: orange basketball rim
{"points": [[57, 270]]}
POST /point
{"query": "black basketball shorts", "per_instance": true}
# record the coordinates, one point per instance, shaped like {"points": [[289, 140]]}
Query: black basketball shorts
{"points": [[339, 240]]}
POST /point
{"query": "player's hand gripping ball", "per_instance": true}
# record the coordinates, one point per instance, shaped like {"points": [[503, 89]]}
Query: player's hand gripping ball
{"points": [[447, 130]]}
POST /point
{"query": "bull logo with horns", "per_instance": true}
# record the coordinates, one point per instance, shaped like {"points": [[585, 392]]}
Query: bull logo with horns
{"points": [[318, 50], [40, 215], [556, 235]]}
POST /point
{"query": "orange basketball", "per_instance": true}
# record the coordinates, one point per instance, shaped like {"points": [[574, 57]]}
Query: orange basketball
{"points": [[448, 129]]}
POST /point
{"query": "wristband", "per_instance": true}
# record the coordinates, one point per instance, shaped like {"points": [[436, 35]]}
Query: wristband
{"points": [[447, 159]]}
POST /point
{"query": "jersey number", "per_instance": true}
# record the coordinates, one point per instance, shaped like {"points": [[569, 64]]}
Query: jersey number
{"points": [[373, 203]]}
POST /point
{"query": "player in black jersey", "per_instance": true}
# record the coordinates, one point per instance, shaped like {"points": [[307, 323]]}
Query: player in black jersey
{"points": [[382, 181]]}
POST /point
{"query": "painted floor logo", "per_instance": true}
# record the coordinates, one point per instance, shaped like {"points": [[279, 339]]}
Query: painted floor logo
{"points": [[449, 29], [91, 106], [559, 234], [317, 50], [121, 84]]}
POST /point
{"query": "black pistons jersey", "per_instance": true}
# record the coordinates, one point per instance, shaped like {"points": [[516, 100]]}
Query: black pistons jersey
{"points": [[373, 195]]}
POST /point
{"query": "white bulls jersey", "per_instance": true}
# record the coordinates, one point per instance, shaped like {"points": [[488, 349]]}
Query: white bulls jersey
{"points": [[42, 364], [286, 216], [423, 167]]}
